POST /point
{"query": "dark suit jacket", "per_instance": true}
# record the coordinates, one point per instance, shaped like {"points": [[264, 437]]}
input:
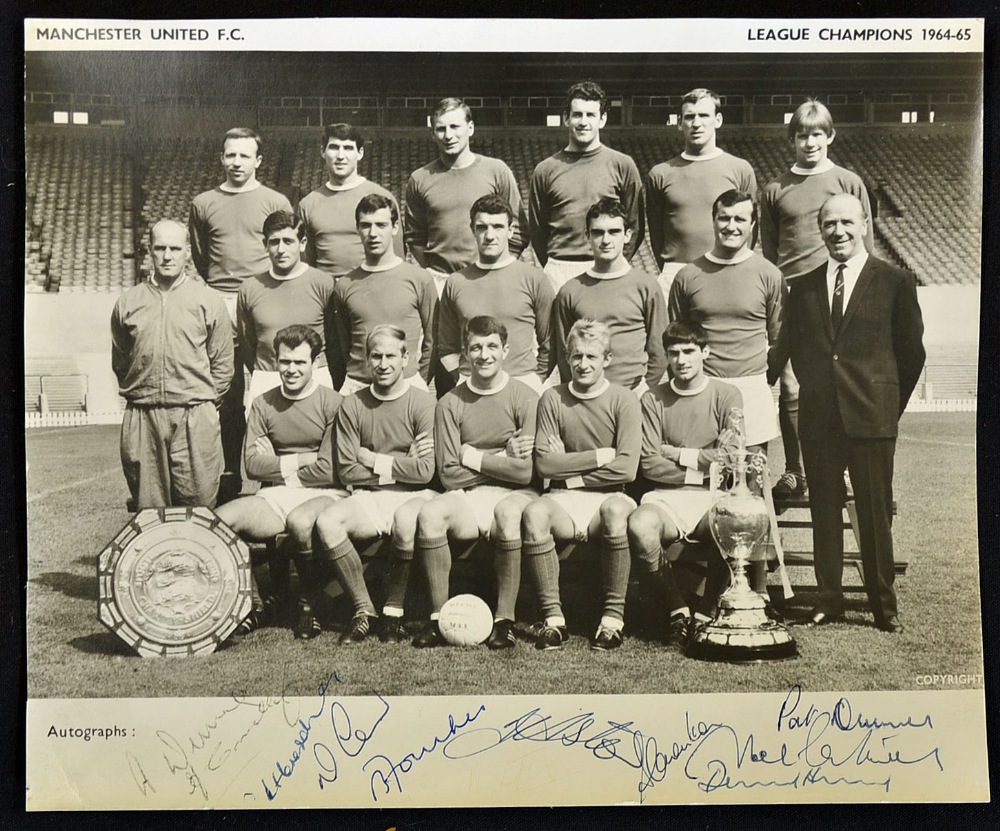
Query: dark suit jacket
{"points": [[869, 368]]}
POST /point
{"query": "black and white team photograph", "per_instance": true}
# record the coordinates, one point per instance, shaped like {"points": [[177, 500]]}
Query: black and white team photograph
{"points": [[506, 374]]}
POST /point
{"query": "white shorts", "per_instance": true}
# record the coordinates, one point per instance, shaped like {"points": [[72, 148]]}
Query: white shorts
{"points": [[263, 380], [483, 499], [582, 506], [283, 499], [759, 413], [560, 272], [684, 507], [353, 385], [666, 278], [380, 506]]}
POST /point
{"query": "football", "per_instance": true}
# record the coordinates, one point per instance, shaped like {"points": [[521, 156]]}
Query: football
{"points": [[466, 620]]}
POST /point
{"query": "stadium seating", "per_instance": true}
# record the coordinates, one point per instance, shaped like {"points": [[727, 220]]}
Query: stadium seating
{"points": [[85, 232]]}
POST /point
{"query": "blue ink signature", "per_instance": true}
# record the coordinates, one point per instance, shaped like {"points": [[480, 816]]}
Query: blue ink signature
{"points": [[340, 720], [618, 741], [387, 773]]}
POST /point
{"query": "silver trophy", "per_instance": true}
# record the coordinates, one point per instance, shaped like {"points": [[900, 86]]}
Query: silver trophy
{"points": [[741, 631]]}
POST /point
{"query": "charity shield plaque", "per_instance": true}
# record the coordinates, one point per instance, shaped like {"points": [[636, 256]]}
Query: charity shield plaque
{"points": [[174, 582]]}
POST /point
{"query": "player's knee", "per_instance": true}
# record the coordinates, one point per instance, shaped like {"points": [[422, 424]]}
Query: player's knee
{"points": [[535, 521], [300, 525], [330, 528], [614, 515], [644, 525], [431, 520], [507, 516]]}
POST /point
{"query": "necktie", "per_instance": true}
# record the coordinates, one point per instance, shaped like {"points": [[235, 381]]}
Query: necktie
{"points": [[837, 308]]}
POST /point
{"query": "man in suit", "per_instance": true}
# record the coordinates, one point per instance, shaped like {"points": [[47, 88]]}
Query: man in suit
{"points": [[853, 330]]}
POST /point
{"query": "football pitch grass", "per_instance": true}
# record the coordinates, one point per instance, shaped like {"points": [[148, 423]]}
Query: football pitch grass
{"points": [[76, 504]]}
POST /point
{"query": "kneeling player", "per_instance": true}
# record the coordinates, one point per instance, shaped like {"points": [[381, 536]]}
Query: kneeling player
{"points": [[385, 454], [288, 447], [587, 442], [681, 423], [484, 434]]}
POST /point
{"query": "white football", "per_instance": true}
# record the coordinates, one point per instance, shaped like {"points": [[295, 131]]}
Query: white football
{"points": [[466, 620]]}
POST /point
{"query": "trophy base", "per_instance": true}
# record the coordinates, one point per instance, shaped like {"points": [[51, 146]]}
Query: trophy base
{"points": [[742, 634]]}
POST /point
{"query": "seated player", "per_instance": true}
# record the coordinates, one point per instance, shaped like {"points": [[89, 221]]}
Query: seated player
{"points": [[484, 434], [288, 447], [289, 292], [587, 442], [385, 455], [681, 423]]}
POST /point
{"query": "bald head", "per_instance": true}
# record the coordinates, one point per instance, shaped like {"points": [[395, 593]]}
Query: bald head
{"points": [[843, 224], [170, 249]]}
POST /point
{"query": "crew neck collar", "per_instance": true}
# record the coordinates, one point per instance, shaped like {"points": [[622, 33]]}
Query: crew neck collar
{"points": [[383, 267], [298, 271], [691, 391], [228, 188], [822, 167], [337, 188], [499, 388], [602, 388], [739, 258], [704, 157], [404, 388], [610, 275], [309, 390], [497, 265]]}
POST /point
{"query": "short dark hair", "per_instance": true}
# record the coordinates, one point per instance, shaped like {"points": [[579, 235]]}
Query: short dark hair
{"points": [[492, 204], [482, 326], [385, 329], [375, 202], [280, 220], [586, 91], [344, 132], [607, 207], [446, 105], [696, 95], [242, 133], [733, 197], [685, 331], [297, 334]]}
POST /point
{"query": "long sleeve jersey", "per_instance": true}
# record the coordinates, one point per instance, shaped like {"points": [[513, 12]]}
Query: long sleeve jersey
{"points": [[332, 241], [267, 304], [586, 426], [738, 305], [387, 427], [565, 185], [484, 421], [403, 296], [789, 210], [679, 197], [438, 200], [518, 295], [293, 425], [227, 234], [632, 307], [171, 348], [691, 422]]}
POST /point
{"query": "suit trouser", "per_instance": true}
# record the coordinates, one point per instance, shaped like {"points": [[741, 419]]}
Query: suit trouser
{"points": [[870, 464], [231, 413], [172, 455]]}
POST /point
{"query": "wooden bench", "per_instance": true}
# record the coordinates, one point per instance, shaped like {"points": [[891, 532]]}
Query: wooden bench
{"points": [[804, 557]]}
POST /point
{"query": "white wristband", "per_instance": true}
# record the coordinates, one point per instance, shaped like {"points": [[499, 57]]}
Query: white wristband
{"points": [[289, 466], [473, 459], [574, 482], [383, 469], [693, 477], [689, 458], [605, 456], [450, 362]]}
